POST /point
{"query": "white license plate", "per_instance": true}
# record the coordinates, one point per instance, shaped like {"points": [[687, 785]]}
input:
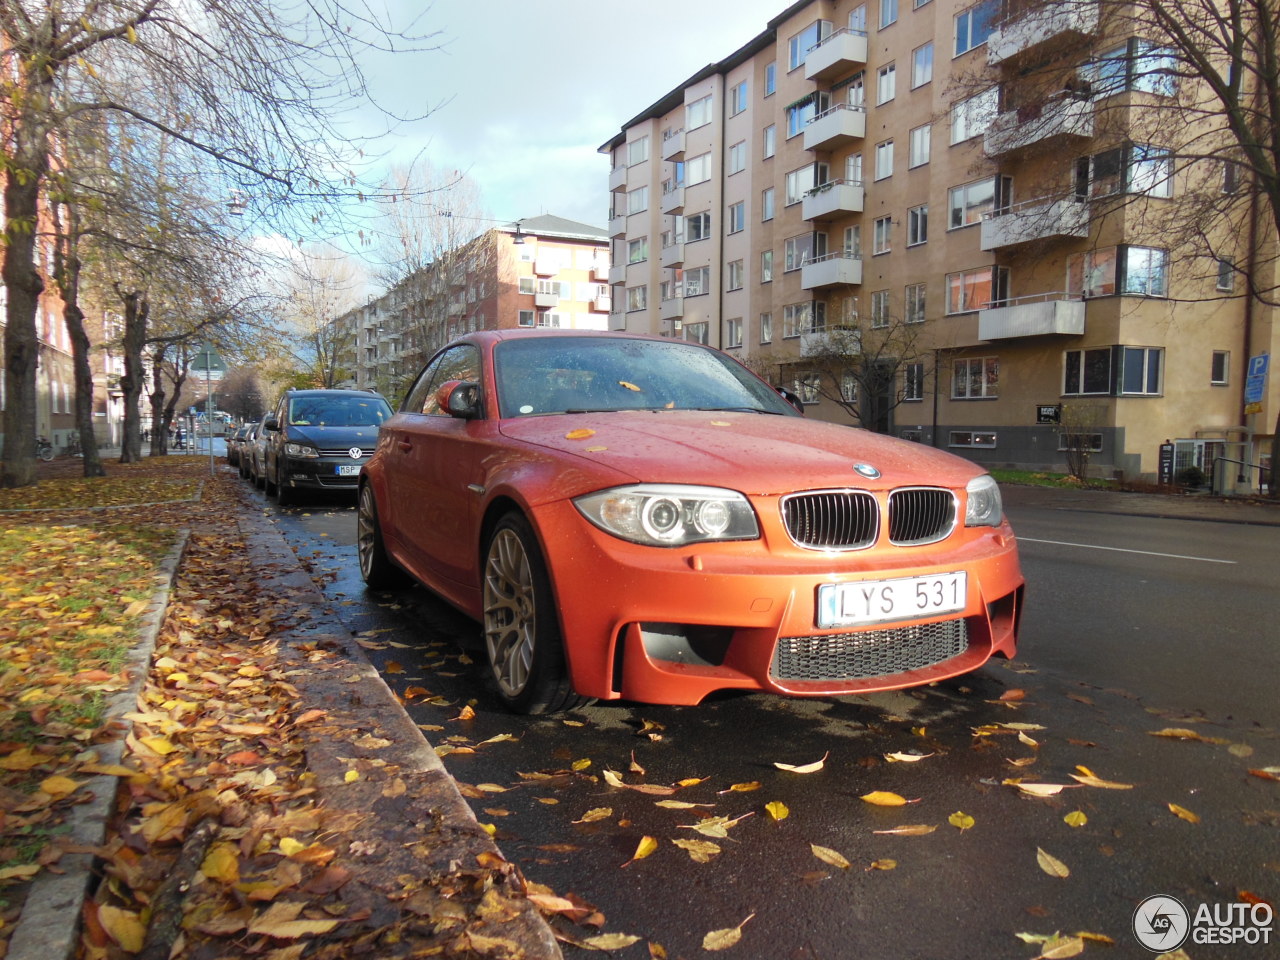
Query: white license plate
{"points": [[348, 469], [880, 601]]}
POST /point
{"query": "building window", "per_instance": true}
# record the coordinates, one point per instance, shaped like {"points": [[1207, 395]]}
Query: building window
{"points": [[1226, 275], [799, 182], [857, 92], [976, 289], [802, 111], [807, 317], [737, 221], [807, 385], [881, 235], [982, 439], [766, 266], [918, 152], [970, 201], [976, 378], [698, 113], [1131, 168], [914, 299], [736, 160], [638, 250], [858, 20], [526, 285], [766, 204], [734, 275], [921, 65], [671, 289], [766, 328], [737, 98], [526, 318], [637, 297], [853, 168], [853, 242], [796, 251], [917, 225], [1140, 369], [886, 83], [770, 78], [698, 169], [1136, 64], [974, 25], [1220, 368], [770, 139], [637, 151], [913, 381], [884, 159], [1128, 270], [972, 116], [697, 281], [698, 226], [888, 12], [1230, 176], [1087, 372], [638, 200], [848, 388], [697, 332], [798, 47], [879, 309], [733, 333]]}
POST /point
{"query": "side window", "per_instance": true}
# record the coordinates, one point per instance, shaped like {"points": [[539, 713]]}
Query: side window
{"points": [[457, 363], [417, 397]]}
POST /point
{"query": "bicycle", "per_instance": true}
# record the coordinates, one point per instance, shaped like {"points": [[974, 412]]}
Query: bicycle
{"points": [[72, 449], [44, 449]]}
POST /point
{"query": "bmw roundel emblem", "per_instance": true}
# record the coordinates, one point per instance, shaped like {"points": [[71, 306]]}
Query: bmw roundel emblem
{"points": [[355, 453], [866, 470]]}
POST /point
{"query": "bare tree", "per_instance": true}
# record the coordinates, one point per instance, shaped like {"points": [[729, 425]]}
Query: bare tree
{"points": [[322, 284]]}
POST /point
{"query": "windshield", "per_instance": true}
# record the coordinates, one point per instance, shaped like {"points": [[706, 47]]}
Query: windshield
{"points": [[572, 374], [357, 410]]}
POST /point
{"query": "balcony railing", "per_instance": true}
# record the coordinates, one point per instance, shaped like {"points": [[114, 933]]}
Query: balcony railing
{"points": [[673, 201], [833, 270], [546, 299], [673, 144], [1061, 116], [832, 199], [617, 224], [839, 53], [833, 339], [617, 273], [1041, 219], [602, 303], [1038, 315], [832, 128], [618, 177], [671, 309], [1029, 29], [673, 255]]}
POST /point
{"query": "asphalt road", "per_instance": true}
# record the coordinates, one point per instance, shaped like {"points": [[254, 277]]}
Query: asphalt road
{"points": [[1133, 626]]}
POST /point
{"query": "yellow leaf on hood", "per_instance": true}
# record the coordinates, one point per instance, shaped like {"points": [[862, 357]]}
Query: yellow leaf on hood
{"points": [[645, 847], [961, 821], [1184, 813], [1051, 864], [1075, 818], [883, 798], [580, 434], [723, 939], [777, 810], [827, 855]]}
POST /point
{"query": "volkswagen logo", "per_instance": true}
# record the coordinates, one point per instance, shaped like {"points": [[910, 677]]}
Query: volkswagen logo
{"points": [[355, 453], [866, 470]]}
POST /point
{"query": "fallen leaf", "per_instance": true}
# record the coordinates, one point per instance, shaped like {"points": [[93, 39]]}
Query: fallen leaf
{"points": [[714, 826], [777, 810], [1184, 813], [59, 786], [1095, 937], [393, 666], [580, 434], [1014, 694], [1051, 864], [222, 863], [961, 821], [915, 829], [700, 851], [804, 767], [885, 864], [827, 855], [1266, 773], [123, 926], [906, 757], [680, 804], [1183, 733], [1075, 818], [742, 787], [883, 798], [645, 847], [1060, 948], [597, 813], [1037, 789], [609, 941], [723, 939]]}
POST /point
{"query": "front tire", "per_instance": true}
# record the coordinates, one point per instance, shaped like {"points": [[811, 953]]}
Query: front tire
{"points": [[521, 630], [377, 569], [284, 496]]}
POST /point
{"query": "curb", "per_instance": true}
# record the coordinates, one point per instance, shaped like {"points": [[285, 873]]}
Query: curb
{"points": [[49, 926]]}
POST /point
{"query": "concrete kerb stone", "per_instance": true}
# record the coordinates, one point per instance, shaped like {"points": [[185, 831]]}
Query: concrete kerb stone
{"points": [[48, 928]]}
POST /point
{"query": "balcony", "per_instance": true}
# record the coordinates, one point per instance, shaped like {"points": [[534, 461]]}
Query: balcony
{"points": [[457, 307], [600, 270], [618, 273], [546, 267], [546, 299], [618, 225], [841, 52], [1042, 314], [1041, 219], [602, 303], [672, 309], [618, 177], [1060, 117], [673, 201], [833, 270], [835, 339], [833, 199], [673, 145], [673, 256], [840, 125], [617, 319], [1041, 25]]}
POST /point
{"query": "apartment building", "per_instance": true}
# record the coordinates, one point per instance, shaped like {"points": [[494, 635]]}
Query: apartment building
{"points": [[951, 222], [542, 271]]}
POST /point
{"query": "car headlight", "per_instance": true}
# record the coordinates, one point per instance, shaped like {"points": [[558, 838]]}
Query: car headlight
{"points": [[670, 515], [300, 450], [984, 507]]}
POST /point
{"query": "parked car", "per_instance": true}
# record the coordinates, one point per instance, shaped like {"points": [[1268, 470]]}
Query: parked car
{"points": [[254, 449], [644, 518], [235, 440], [319, 440]]}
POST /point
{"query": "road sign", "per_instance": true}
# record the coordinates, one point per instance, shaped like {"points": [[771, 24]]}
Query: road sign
{"points": [[207, 361], [1255, 382]]}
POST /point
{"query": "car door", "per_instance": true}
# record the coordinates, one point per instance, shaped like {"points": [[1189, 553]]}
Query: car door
{"points": [[436, 460]]}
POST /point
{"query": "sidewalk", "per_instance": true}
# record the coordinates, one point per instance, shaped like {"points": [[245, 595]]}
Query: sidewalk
{"points": [[1200, 507]]}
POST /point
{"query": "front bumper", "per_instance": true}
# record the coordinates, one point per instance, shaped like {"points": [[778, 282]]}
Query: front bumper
{"points": [[674, 625], [321, 473]]}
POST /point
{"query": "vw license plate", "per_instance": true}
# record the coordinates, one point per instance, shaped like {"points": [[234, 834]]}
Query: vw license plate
{"points": [[880, 601], [348, 469]]}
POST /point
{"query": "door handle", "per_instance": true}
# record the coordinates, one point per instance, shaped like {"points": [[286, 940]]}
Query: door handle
{"points": [[404, 445]]}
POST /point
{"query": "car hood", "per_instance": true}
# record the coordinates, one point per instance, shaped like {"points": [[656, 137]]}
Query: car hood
{"points": [[758, 454], [332, 438]]}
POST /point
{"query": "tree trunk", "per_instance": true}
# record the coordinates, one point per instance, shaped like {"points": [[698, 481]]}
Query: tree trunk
{"points": [[136, 311], [23, 177], [67, 272], [159, 423]]}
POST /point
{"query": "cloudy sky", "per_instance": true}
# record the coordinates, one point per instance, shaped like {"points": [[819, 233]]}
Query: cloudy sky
{"points": [[528, 89]]}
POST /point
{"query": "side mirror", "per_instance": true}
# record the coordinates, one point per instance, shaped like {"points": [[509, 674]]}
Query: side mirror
{"points": [[460, 398], [791, 398], [271, 423]]}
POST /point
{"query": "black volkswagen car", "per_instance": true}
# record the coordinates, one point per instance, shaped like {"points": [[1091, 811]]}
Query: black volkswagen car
{"points": [[319, 439]]}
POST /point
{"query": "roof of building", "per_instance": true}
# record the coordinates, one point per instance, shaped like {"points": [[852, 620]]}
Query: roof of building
{"points": [[547, 225]]}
